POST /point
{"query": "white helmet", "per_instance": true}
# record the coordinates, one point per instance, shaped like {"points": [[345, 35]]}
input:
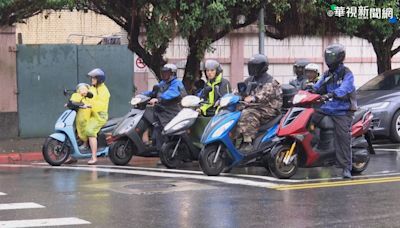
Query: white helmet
{"points": [[312, 67]]}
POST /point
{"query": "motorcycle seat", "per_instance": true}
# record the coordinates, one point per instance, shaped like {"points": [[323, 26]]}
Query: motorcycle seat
{"points": [[112, 122], [358, 115], [270, 124]]}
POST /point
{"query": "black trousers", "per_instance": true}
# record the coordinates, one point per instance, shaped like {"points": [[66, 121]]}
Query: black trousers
{"points": [[342, 137], [343, 140]]}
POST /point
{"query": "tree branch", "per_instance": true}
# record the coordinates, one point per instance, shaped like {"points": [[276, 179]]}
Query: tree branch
{"points": [[394, 51]]}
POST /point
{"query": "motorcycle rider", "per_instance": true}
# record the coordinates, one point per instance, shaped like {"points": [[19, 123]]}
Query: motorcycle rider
{"points": [[99, 111], [298, 70], [263, 104], [216, 87], [338, 90], [312, 75], [166, 100]]}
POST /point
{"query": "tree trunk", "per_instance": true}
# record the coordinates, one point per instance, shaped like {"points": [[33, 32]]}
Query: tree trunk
{"points": [[383, 56], [192, 68]]}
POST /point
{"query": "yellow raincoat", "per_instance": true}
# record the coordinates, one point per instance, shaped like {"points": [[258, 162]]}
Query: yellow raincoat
{"points": [[82, 116], [99, 110]]}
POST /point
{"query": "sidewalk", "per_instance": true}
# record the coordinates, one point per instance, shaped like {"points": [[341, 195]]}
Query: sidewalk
{"points": [[17, 150]]}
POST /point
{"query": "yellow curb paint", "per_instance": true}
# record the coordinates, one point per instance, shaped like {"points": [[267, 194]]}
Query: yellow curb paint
{"points": [[337, 183]]}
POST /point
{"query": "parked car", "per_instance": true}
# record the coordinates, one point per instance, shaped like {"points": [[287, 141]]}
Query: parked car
{"points": [[381, 94]]}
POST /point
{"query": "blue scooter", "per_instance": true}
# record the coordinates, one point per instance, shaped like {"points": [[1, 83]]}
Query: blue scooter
{"points": [[63, 143], [219, 150]]}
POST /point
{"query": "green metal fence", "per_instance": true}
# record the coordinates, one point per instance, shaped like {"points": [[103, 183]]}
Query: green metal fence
{"points": [[44, 71]]}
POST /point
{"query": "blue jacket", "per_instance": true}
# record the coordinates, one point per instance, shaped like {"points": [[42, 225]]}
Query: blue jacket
{"points": [[339, 88], [169, 90]]}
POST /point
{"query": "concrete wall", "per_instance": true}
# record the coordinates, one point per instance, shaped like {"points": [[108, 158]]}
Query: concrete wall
{"points": [[8, 84], [235, 50], [66, 27]]}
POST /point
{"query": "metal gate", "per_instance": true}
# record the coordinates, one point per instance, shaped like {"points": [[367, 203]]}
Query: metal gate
{"points": [[44, 71]]}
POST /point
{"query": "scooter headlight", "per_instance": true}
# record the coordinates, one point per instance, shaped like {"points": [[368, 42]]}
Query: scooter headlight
{"points": [[125, 126], [224, 101], [180, 125], [222, 129], [298, 98], [60, 125]]}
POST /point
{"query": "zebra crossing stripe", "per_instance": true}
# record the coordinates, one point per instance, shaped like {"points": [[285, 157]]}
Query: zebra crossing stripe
{"points": [[43, 222], [2, 194], [14, 206]]}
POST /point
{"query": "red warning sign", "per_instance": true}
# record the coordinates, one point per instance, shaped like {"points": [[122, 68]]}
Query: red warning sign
{"points": [[140, 64]]}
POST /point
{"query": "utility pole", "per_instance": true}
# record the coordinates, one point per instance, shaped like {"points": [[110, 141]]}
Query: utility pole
{"points": [[261, 31]]}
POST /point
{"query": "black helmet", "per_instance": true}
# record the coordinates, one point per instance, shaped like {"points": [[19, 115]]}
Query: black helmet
{"points": [[212, 65], [299, 65], [257, 65], [334, 55]]}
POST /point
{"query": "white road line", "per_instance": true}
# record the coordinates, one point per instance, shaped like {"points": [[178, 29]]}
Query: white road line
{"points": [[383, 145], [2, 194], [231, 179], [14, 206], [192, 172], [383, 149], [43, 222], [222, 179]]}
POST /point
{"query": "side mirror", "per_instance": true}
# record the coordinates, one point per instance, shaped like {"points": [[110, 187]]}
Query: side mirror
{"points": [[65, 92], [241, 87]]}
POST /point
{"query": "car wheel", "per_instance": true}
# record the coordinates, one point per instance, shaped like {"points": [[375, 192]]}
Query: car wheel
{"points": [[395, 128]]}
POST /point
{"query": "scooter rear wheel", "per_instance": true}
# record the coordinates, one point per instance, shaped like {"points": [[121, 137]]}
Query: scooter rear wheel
{"points": [[120, 152], [54, 152], [206, 160], [276, 165], [166, 155]]}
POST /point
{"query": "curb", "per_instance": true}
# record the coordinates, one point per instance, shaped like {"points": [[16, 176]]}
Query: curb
{"points": [[16, 157]]}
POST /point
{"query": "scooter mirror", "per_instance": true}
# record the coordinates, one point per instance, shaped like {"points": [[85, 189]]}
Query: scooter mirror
{"points": [[241, 87], [65, 92]]}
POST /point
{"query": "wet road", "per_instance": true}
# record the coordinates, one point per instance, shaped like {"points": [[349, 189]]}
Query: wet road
{"points": [[148, 195]]}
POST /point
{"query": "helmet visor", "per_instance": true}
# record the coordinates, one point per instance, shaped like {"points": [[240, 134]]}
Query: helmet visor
{"points": [[330, 58], [252, 69]]}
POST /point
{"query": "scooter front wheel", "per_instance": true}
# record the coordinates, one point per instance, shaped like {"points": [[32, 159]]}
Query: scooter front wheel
{"points": [[359, 167], [276, 165], [55, 152], [120, 152], [167, 156], [211, 160]]}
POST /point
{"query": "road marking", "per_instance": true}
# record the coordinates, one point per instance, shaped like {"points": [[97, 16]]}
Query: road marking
{"points": [[14, 206], [384, 149], [43, 222], [2, 194], [338, 183], [190, 172], [222, 179], [234, 179], [383, 145]]}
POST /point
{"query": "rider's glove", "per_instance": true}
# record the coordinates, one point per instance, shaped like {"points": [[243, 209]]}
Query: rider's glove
{"points": [[326, 96]]}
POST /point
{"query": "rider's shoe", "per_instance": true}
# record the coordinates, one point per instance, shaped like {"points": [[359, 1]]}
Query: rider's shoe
{"points": [[346, 174], [70, 161]]}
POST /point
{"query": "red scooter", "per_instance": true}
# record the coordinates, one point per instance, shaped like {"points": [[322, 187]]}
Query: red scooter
{"points": [[303, 144]]}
